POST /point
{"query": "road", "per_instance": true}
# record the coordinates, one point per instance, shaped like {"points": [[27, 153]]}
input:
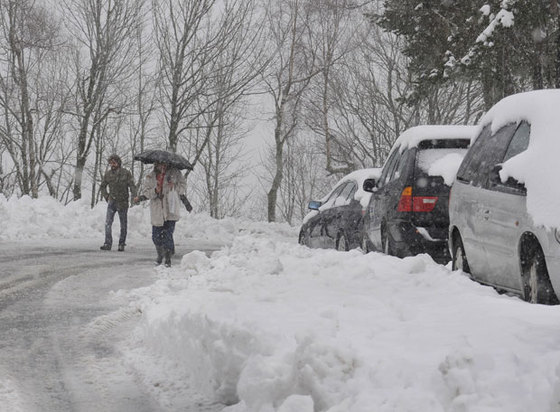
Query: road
{"points": [[61, 325]]}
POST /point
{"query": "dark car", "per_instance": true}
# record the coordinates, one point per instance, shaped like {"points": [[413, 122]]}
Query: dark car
{"points": [[336, 220], [407, 213], [505, 202]]}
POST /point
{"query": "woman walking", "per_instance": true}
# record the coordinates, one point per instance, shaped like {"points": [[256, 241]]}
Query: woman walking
{"points": [[163, 187]]}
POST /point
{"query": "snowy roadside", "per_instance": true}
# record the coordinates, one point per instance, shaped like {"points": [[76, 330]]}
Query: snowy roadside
{"points": [[279, 327], [267, 325]]}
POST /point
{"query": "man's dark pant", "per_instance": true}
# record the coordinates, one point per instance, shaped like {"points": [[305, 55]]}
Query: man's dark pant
{"points": [[162, 236], [111, 210]]}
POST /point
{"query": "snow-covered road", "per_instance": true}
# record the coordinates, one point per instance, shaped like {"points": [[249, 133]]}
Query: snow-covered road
{"points": [[261, 325], [61, 324]]}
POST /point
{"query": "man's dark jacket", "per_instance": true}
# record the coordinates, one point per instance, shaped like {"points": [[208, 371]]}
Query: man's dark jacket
{"points": [[119, 181]]}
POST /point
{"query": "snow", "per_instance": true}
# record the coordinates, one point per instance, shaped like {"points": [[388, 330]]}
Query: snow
{"points": [[445, 164], [537, 167], [413, 136], [267, 325]]}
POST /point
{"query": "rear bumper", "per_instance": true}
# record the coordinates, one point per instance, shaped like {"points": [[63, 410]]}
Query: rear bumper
{"points": [[409, 240]]}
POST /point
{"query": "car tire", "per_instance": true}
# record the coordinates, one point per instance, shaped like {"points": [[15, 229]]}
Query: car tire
{"points": [[386, 242], [536, 282], [365, 243], [302, 239], [459, 258], [342, 243]]}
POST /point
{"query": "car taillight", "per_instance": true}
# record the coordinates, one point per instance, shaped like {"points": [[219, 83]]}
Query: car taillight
{"points": [[409, 203], [405, 202]]}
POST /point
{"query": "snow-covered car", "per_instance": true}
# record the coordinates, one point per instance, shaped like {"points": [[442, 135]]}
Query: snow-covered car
{"points": [[407, 213], [336, 220], [505, 202]]}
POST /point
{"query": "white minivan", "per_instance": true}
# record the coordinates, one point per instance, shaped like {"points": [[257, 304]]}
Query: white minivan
{"points": [[504, 207]]}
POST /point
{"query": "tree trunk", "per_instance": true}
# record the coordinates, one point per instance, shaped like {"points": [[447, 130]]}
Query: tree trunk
{"points": [[272, 195], [557, 60], [78, 174]]}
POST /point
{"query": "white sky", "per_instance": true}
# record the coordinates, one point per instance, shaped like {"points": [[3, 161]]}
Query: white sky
{"points": [[278, 327]]}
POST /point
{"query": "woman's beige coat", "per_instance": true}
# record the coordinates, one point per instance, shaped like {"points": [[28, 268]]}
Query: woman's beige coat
{"points": [[159, 208]]}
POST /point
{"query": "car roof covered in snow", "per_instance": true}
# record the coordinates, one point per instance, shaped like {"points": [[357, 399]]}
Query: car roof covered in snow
{"points": [[413, 136]]}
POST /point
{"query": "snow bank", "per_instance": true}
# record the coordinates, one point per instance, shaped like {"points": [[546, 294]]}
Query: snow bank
{"points": [[267, 325], [35, 219]]}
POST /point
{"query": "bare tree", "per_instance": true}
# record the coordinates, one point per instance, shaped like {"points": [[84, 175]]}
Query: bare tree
{"points": [[207, 63], [290, 73], [335, 25], [224, 167], [104, 33], [304, 177], [369, 106], [129, 130], [145, 100], [27, 36], [51, 97]]}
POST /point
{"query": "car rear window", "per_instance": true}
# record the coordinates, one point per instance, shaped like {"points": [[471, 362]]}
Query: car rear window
{"points": [[425, 159], [439, 159], [444, 144]]}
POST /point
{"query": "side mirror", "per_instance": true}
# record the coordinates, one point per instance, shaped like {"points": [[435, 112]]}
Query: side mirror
{"points": [[494, 177], [314, 205], [369, 185]]}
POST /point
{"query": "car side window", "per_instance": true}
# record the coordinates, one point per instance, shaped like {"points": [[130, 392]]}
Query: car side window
{"points": [[388, 168], [519, 141], [401, 167], [473, 158], [493, 153], [393, 167], [394, 174], [352, 192], [334, 195], [342, 198]]}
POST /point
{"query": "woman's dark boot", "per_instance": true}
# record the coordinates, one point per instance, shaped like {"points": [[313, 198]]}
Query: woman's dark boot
{"points": [[167, 258], [159, 259]]}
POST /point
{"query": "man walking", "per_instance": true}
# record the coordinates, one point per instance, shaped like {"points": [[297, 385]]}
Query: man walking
{"points": [[120, 184]]}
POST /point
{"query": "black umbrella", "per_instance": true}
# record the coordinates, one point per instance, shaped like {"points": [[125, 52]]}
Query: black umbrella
{"points": [[163, 156]]}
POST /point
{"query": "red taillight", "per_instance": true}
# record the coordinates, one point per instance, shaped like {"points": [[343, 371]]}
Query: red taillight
{"points": [[424, 203], [405, 202], [409, 203]]}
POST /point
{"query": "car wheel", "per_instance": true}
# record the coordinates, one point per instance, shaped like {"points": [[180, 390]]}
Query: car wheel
{"points": [[459, 259], [302, 240], [386, 242], [365, 243], [342, 243], [536, 282]]}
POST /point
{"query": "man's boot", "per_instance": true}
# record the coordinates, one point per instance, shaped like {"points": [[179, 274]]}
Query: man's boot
{"points": [[159, 259], [105, 247], [168, 258]]}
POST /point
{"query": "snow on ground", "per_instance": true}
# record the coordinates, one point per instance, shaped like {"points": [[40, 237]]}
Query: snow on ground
{"points": [[265, 324]]}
